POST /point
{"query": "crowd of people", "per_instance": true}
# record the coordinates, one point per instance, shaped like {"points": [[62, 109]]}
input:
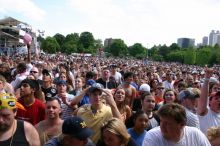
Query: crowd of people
{"points": [[62, 100]]}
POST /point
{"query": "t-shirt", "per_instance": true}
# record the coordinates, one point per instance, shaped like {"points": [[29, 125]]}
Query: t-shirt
{"points": [[33, 113], [95, 120], [138, 138], [209, 120], [192, 119], [191, 137]]}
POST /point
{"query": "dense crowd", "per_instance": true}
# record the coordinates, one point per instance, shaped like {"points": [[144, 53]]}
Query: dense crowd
{"points": [[60, 100]]}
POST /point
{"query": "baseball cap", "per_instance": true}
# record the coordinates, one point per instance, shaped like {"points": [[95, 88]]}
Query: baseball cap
{"points": [[60, 82], [47, 72], [96, 86], [145, 88], [76, 127], [186, 94], [8, 101], [90, 82]]}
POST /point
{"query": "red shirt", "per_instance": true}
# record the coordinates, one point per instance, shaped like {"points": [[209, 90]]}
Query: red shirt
{"points": [[33, 114]]}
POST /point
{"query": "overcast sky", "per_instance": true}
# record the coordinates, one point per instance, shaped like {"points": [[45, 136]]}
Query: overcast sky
{"points": [[135, 21]]}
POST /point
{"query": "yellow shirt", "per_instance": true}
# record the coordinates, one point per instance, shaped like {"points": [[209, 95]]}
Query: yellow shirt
{"points": [[95, 120]]}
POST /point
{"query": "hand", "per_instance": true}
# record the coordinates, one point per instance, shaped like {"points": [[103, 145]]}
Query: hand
{"points": [[64, 99], [208, 72]]}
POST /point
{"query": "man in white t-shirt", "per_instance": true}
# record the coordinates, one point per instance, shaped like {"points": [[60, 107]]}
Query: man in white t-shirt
{"points": [[173, 130], [209, 116]]}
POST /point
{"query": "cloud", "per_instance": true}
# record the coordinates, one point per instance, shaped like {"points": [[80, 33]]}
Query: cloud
{"points": [[25, 7]]}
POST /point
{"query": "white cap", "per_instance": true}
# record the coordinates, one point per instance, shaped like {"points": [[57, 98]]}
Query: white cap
{"points": [[144, 87]]}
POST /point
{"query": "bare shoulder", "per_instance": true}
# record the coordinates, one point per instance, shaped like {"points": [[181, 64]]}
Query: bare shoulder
{"points": [[31, 134]]}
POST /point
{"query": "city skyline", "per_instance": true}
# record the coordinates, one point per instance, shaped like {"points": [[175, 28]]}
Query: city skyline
{"points": [[149, 22]]}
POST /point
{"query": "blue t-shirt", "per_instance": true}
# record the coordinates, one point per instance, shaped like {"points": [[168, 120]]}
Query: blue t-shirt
{"points": [[138, 138]]}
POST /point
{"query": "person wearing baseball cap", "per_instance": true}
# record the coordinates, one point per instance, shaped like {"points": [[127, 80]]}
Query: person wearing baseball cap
{"points": [[188, 99], [74, 132], [15, 132]]}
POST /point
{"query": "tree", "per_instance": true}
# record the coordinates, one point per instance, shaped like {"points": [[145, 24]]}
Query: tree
{"points": [[203, 56], [60, 39], [71, 43], [190, 56], [174, 47], [50, 45], [163, 51], [137, 49], [118, 47], [175, 56], [88, 42]]}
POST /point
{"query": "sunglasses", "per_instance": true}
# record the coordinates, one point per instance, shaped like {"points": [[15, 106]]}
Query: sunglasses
{"points": [[33, 72]]}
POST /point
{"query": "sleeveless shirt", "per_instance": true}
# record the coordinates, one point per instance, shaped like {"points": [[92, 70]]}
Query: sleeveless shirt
{"points": [[19, 138]]}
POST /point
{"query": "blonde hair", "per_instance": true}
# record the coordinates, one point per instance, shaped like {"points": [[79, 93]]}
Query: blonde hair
{"points": [[213, 133], [117, 127]]}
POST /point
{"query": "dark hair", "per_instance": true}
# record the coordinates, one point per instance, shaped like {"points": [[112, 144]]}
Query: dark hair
{"points": [[52, 99], [174, 111], [145, 94], [128, 74]]}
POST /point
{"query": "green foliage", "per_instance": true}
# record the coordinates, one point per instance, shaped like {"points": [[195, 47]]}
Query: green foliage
{"points": [[174, 47], [176, 56], [70, 47], [157, 57], [118, 47], [137, 50], [201, 54], [50, 45], [60, 39], [87, 41], [190, 56]]}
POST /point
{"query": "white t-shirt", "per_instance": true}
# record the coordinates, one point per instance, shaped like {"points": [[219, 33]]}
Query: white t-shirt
{"points": [[118, 77], [209, 120], [192, 137]]}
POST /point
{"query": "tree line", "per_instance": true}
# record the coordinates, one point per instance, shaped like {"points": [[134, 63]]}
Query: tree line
{"points": [[86, 43]]}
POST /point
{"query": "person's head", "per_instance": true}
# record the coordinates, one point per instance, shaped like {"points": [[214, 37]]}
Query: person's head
{"points": [[128, 77], [78, 82], [75, 132], [148, 102], [106, 73], [169, 96], [214, 102], [8, 110], [119, 95], [144, 88], [188, 99], [35, 72], [190, 80], [169, 75], [53, 108], [140, 119], [114, 133], [46, 76], [2, 82], [28, 87], [214, 87], [213, 135], [62, 76], [95, 92], [61, 86], [21, 68], [172, 121], [160, 89], [182, 86]]}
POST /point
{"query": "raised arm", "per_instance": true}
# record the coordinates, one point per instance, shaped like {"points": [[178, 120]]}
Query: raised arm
{"points": [[203, 100], [77, 99], [111, 102]]}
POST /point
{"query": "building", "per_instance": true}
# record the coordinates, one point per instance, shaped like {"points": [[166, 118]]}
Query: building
{"points": [[205, 41], [214, 38], [108, 42], [185, 42], [11, 36]]}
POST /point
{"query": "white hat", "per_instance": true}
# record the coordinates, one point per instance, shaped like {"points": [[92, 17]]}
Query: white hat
{"points": [[144, 87]]}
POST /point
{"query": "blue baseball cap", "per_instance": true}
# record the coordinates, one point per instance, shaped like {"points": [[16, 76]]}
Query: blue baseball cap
{"points": [[76, 127], [61, 82]]}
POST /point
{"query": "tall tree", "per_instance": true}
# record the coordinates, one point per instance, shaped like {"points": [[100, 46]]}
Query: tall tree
{"points": [[87, 40], [60, 39], [118, 47], [71, 43], [137, 49], [50, 45]]}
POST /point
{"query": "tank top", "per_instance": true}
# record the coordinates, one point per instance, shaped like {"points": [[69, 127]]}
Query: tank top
{"points": [[19, 138]]}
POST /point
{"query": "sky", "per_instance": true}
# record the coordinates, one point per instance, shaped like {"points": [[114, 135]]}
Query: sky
{"points": [[149, 22]]}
